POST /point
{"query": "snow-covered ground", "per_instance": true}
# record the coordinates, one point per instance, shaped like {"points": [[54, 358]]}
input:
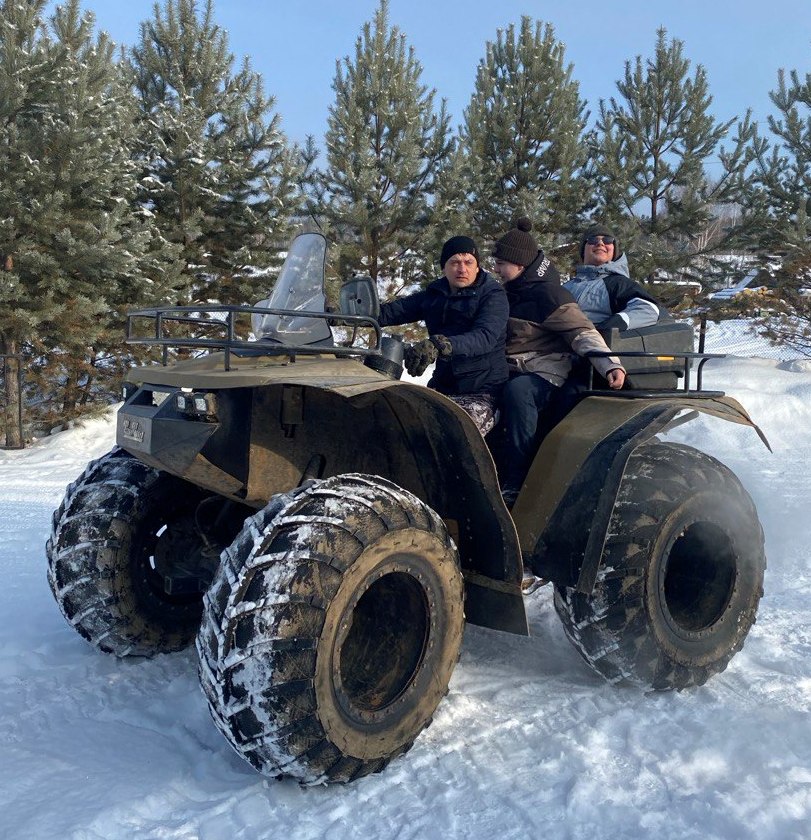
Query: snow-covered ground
{"points": [[528, 743]]}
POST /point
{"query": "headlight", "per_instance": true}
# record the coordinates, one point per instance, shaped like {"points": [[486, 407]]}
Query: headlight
{"points": [[199, 406]]}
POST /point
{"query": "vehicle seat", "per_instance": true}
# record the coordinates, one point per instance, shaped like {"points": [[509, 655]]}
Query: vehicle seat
{"points": [[659, 372]]}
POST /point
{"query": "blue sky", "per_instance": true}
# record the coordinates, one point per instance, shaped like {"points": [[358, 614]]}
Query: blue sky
{"points": [[294, 45]]}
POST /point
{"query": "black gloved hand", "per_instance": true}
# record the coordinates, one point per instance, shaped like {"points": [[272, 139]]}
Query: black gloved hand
{"points": [[418, 356], [423, 353], [442, 344]]}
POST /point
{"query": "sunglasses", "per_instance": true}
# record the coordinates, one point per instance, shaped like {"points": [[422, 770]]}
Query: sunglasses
{"points": [[596, 240]]}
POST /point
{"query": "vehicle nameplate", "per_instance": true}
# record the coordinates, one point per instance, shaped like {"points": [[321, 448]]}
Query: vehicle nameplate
{"points": [[132, 430]]}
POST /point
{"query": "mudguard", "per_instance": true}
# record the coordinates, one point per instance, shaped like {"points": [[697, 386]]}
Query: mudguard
{"points": [[421, 441], [563, 510]]}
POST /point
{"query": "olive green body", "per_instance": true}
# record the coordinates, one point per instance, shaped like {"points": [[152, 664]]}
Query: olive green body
{"points": [[282, 419]]}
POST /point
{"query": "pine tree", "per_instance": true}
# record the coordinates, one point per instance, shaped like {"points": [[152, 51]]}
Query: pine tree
{"points": [[451, 211], [523, 136], [782, 191], [779, 209], [72, 244], [653, 146], [219, 174], [384, 146]]}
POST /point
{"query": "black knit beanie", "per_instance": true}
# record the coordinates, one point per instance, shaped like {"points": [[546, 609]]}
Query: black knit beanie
{"points": [[599, 230], [517, 246], [458, 245]]}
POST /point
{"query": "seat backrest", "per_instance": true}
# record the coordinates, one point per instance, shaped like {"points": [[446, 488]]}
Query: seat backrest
{"points": [[662, 340]]}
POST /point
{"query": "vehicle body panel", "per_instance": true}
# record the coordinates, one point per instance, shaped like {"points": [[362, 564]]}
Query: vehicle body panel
{"points": [[562, 513]]}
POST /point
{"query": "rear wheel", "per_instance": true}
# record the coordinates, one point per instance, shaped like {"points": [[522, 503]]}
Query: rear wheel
{"points": [[681, 574], [332, 630], [118, 539]]}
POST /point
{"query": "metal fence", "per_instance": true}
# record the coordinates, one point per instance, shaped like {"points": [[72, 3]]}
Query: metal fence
{"points": [[739, 337]]}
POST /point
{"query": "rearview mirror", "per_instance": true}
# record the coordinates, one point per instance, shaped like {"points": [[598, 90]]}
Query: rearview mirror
{"points": [[358, 296]]}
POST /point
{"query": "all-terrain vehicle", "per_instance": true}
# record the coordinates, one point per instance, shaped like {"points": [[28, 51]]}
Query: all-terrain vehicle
{"points": [[323, 528]]}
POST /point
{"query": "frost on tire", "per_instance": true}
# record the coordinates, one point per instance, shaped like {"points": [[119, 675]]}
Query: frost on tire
{"points": [[681, 574], [331, 630], [114, 520]]}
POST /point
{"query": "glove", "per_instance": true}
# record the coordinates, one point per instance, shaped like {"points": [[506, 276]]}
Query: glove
{"points": [[442, 344], [418, 356]]}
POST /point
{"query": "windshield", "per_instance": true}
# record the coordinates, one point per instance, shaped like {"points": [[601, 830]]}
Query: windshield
{"points": [[299, 287]]}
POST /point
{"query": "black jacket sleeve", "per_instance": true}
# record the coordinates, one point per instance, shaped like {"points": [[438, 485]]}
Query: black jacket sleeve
{"points": [[404, 310], [622, 290]]}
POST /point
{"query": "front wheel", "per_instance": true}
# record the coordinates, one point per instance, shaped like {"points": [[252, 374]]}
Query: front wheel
{"points": [[118, 525], [331, 632], [681, 575]]}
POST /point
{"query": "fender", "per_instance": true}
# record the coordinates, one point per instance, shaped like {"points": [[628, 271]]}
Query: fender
{"points": [[564, 508], [412, 436]]}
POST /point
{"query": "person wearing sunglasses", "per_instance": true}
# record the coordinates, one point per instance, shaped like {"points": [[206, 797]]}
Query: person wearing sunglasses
{"points": [[603, 287], [546, 332]]}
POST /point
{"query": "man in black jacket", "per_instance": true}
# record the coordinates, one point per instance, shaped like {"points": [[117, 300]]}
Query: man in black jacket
{"points": [[465, 312]]}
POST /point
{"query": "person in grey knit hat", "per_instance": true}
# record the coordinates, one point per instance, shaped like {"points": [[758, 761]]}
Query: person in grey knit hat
{"points": [[592, 233], [546, 331], [603, 287]]}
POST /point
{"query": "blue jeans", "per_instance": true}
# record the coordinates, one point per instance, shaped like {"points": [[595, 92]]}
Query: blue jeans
{"points": [[525, 397]]}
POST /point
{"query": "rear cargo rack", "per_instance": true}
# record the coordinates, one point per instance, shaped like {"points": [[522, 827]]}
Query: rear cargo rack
{"points": [[164, 317], [686, 364]]}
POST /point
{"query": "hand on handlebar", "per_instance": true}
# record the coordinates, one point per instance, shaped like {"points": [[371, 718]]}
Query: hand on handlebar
{"points": [[615, 378]]}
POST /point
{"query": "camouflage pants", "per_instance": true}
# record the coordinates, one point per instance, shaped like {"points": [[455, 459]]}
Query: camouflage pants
{"points": [[483, 409]]}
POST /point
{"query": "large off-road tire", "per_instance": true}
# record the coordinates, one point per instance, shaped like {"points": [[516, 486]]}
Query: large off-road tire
{"points": [[331, 631], [114, 521], [681, 574]]}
